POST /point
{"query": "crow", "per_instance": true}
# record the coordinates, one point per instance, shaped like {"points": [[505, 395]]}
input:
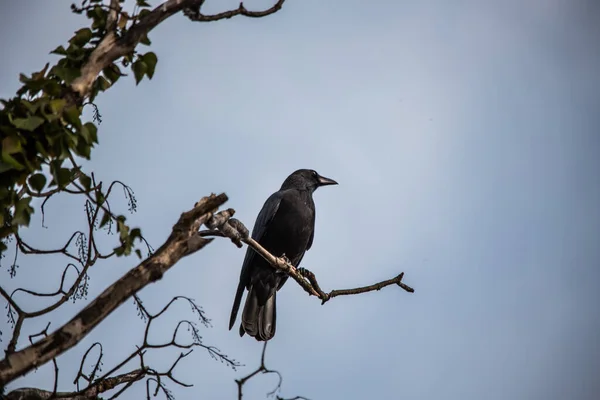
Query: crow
{"points": [[285, 227]]}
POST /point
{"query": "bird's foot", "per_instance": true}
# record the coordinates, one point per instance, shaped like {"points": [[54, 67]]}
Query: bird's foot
{"points": [[286, 260]]}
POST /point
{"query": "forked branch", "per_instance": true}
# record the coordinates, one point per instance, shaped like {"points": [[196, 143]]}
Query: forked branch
{"points": [[262, 369]]}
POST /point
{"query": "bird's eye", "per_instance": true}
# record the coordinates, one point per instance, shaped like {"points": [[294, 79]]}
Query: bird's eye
{"points": [[314, 173]]}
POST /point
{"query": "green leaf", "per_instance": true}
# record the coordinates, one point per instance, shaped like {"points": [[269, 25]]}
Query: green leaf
{"points": [[139, 69], [53, 88], [150, 59], [123, 20], [102, 83], [31, 107], [57, 105], [83, 149], [37, 182], [66, 74], [142, 3], [29, 123], [81, 37], [72, 115], [40, 74], [145, 40], [105, 219], [135, 233], [63, 177], [112, 73], [143, 12], [100, 198], [86, 181], [23, 211], [89, 132], [41, 149], [8, 163], [59, 50], [11, 145], [99, 17], [139, 253]]}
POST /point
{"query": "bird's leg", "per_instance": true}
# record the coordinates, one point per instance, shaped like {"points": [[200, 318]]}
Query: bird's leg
{"points": [[307, 274]]}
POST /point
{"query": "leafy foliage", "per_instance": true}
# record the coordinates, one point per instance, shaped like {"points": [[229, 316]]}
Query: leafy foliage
{"points": [[41, 128]]}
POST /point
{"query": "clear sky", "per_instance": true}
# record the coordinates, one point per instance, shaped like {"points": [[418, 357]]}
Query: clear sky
{"points": [[465, 136]]}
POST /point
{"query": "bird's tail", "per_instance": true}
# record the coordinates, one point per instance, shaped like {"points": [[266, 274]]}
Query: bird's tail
{"points": [[259, 320], [236, 304]]}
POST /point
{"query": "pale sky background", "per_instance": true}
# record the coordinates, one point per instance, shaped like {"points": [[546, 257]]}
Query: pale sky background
{"points": [[465, 138]]}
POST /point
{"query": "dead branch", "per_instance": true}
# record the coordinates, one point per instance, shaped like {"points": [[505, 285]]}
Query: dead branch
{"points": [[151, 374], [85, 257], [89, 394], [54, 363], [184, 240], [195, 14], [222, 225], [262, 369], [344, 292]]}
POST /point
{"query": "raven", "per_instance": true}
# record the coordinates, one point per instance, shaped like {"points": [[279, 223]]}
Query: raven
{"points": [[285, 227]]}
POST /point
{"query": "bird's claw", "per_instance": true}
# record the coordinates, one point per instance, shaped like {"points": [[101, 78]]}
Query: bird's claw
{"points": [[287, 261]]}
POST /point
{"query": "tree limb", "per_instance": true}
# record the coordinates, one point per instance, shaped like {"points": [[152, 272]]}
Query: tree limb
{"points": [[112, 47], [91, 393], [150, 270], [221, 225], [196, 15], [262, 369]]}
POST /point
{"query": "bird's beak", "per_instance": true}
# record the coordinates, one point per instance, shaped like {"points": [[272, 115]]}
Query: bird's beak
{"points": [[326, 181]]}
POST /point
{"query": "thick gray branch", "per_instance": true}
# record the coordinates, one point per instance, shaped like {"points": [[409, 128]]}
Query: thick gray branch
{"points": [[150, 270]]}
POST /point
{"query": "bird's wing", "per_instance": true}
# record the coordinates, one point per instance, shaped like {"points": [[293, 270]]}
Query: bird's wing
{"points": [[265, 216], [310, 240], [312, 234]]}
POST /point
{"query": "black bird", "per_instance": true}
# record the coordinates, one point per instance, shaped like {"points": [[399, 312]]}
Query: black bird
{"points": [[284, 226]]}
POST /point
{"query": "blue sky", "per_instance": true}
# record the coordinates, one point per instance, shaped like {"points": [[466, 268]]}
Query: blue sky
{"points": [[465, 138]]}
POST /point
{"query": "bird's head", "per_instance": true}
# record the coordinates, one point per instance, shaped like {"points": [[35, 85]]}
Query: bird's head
{"points": [[306, 179]]}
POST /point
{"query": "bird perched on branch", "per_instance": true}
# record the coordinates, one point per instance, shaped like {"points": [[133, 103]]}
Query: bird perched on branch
{"points": [[285, 227]]}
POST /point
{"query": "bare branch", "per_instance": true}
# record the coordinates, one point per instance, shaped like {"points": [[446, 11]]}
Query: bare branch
{"points": [[196, 14], [110, 383], [262, 369], [12, 345], [91, 393], [65, 295], [363, 289], [92, 376], [150, 270], [222, 225], [9, 299]]}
